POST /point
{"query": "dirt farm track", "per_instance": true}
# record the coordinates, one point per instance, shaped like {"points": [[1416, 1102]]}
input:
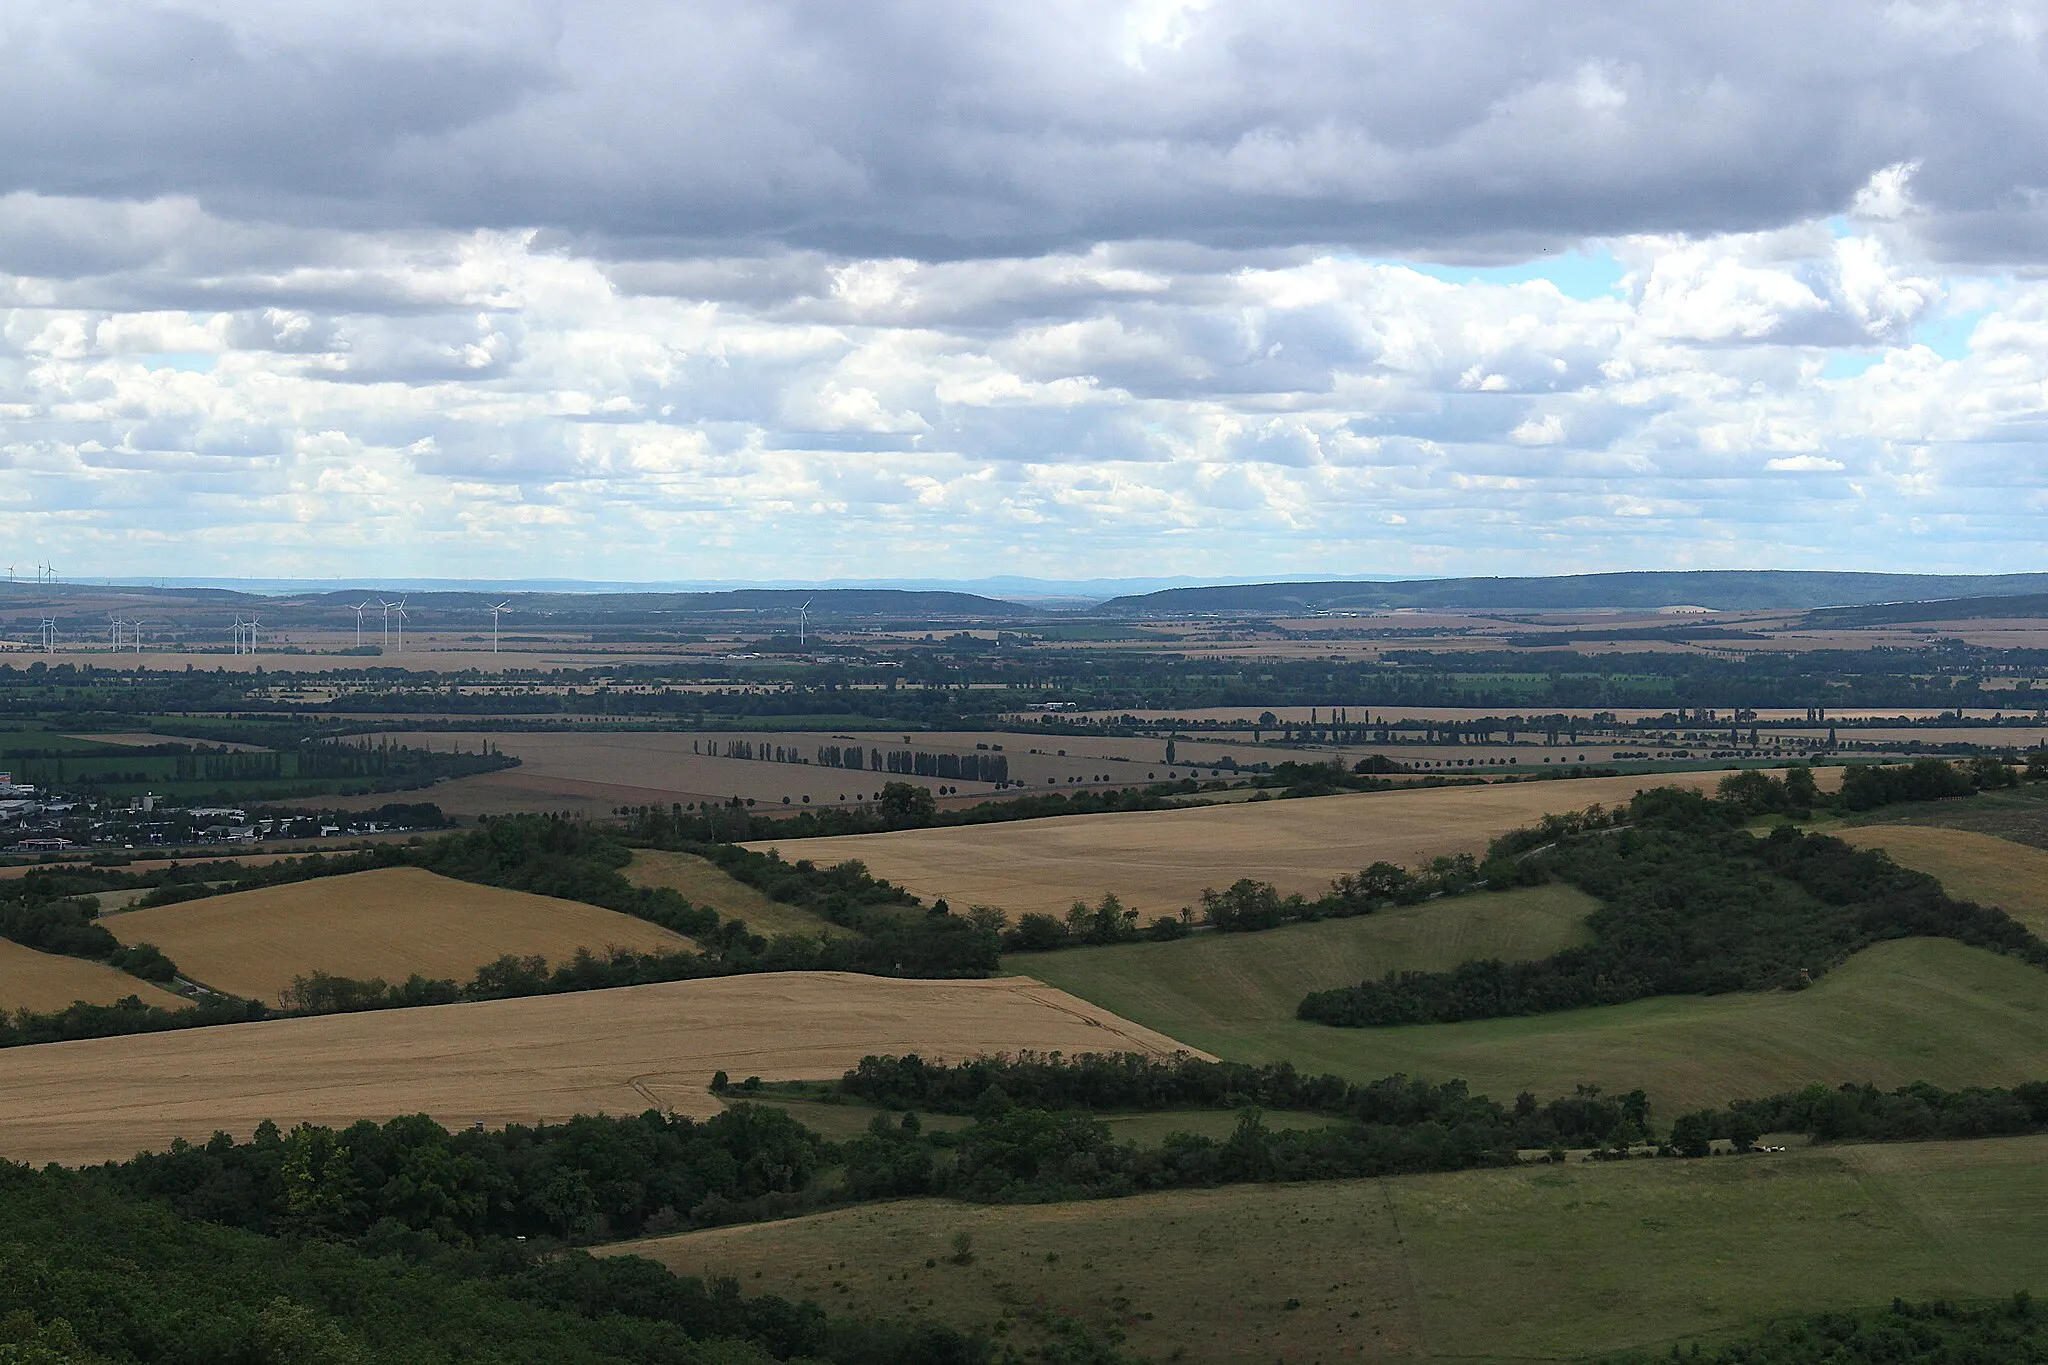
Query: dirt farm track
{"points": [[519, 1061]]}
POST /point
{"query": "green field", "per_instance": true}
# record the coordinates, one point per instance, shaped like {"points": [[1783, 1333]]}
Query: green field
{"points": [[1534, 1263], [2019, 814], [1916, 1009], [1261, 977], [705, 883]]}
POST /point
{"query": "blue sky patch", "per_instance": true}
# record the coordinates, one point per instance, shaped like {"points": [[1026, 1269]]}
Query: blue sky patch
{"points": [[1577, 274]]}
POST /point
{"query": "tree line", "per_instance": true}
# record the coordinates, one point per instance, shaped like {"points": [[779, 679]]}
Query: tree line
{"points": [[975, 767], [1910, 1113], [1245, 906], [156, 1262], [1691, 904], [1939, 1332]]}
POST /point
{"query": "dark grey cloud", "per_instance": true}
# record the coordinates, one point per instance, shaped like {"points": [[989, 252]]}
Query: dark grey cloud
{"points": [[947, 130]]}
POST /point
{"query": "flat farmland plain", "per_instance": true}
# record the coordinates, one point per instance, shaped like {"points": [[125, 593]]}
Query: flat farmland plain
{"points": [[540, 1058], [389, 923], [45, 982], [1158, 861], [593, 772], [1536, 1263]]}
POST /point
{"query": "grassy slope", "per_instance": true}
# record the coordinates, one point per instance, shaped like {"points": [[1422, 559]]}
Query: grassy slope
{"points": [[1978, 867], [1919, 1009], [1260, 978], [1532, 1263], [706, 884]]}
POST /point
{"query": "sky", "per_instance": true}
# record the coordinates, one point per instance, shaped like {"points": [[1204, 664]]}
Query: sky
{"points": [[643, 291]]}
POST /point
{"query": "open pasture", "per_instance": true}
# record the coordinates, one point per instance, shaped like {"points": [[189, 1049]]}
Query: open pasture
{"points": [[705, 883], [1158, 861], [1535, 1263], [1904, 1011], [1243, 978], [390, 923], [1969, 866], [538, 1058], [45, 982]]}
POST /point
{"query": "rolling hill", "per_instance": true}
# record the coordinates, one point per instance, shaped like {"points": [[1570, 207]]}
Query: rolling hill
{"points": [[1726, 590]]}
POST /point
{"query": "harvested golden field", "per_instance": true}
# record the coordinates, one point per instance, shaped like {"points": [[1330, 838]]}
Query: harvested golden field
{"points": [[44, 982], [1969, 866], [390, 922], [528, 1060], [705, 883], [1159, 861]]}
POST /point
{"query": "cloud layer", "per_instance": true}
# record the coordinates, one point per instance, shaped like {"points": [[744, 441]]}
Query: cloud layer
{"points": [[640, 291]]}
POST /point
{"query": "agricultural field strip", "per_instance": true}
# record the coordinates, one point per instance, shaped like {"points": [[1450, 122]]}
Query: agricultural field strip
{"points": [[1159, 861], [1898, 1012], [389, 923], [705, 883], [1534, 1263], [1255, 978], [522, 1060], [46, 982], [1970, 866]]}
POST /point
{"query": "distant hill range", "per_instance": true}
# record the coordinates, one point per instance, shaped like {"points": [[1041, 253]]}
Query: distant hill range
{"points": [[1722, 590], [1932, 613], [82, 604]]}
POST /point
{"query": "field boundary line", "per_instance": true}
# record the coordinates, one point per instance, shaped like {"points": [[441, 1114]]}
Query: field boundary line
{"points": [[1419, 1321], [1046, 996]]}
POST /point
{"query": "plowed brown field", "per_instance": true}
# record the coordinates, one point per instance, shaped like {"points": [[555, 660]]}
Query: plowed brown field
{"points": [[43, 982], [1159, 861], [503, 1061], [388, 923]]}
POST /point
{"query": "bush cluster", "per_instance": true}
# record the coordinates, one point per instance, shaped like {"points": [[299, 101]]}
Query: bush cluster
{"points": [[1690, 904]]}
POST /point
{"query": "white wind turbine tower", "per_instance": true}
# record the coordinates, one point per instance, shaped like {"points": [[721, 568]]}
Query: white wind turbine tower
{"points": [[359, 609], [386, 608], [113, 630], [253, 623], [240, 626], [800, 612], [501, 607], [49, 633], [400, 609]]}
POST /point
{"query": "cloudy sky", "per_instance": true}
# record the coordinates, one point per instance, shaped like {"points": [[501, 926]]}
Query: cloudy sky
{"points": [[937, 288]]}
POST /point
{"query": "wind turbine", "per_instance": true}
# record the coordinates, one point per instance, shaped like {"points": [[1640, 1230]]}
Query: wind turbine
{"points": [[800, 621], [253, 623], [401, 625], [501, 607], [49, 635], [360, 607], [386, 606], [113, 630], [240, 625]]}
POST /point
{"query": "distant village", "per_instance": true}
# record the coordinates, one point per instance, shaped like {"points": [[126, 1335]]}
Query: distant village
{"points": [[40, 820]]}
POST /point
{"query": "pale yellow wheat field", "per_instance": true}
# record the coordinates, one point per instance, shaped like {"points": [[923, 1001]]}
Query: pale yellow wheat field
{"points": [[44, 982], [386, 923], [521, 1061], [1969, 866], [1158, 861]]}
